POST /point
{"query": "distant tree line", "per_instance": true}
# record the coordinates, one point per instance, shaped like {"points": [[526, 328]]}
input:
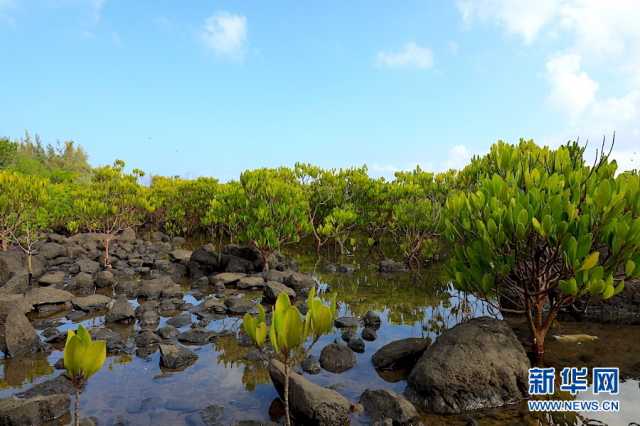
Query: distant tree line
{"points": [[529, 229]]}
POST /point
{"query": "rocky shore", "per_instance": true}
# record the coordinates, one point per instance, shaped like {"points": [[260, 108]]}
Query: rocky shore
{"points": [[475, 365]]}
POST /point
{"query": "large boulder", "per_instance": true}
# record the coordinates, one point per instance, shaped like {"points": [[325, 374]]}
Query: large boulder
{"points": [[337, 358], [176, 357], [39, 410], [310, 404], [475, 365], [400, 354], [17, 335], [381, 404]]}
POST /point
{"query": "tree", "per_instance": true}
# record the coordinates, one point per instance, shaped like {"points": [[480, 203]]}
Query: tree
{"points": [[111, 202], [289, 331], [33, 216], [10, 207], [416, 221], [226, 211], [543, 229], [8, 151], [268, 209], [181, 204], [330, 211], [24, 212]]}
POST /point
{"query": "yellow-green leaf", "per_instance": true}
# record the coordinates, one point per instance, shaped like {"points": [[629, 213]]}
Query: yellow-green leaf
{"points": [[629, 267], [590, 261]]}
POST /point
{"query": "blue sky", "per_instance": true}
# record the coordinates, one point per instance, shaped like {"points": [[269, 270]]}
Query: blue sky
{"points": [[216, 87]]}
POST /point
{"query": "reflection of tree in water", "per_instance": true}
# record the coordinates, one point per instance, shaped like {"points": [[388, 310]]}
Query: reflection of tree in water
{"points": [[123, 359], [232, 354], [19, 371], [458, 307], [404, 297]]}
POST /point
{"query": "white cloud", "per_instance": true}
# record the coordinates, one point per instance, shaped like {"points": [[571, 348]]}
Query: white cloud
{"points": [[226, 34], [598, 38], [409, 56], [459, 156], [520, 17], [572, 90], [97, 7], [6, 7]]}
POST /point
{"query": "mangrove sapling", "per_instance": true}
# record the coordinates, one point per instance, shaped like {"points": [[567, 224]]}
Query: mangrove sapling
{"points": [[31, 217], [11, 214], [110, 203], [83, 357], [416, 221], [543, 229], [331, 214], [289, 332], [267, 210], [179, 205]]}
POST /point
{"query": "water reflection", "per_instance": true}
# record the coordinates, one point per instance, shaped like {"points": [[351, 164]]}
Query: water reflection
{"points": [[230, 374], [21, 371], [232, 354]]}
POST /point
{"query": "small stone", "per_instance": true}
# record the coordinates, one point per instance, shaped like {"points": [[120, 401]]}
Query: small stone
{"points": [[272, 290], [372, 320], [382, 404], [345, 322], [33, 411], [91, 303], [167, 332], [311, 365], [400, 354], [337, 358], [176, 357], [369, 334], [196, 336], [356, 344], [180, 320], [147, 338], [105, 279], [245, 283], [54, 279], [121, 311]]}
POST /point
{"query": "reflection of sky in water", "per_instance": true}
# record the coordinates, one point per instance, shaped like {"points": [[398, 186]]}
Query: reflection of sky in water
{"points": [[629, 398], [138, 390]]}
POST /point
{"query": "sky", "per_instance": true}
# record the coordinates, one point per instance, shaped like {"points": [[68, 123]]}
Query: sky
{"points": [[211, 88]]}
